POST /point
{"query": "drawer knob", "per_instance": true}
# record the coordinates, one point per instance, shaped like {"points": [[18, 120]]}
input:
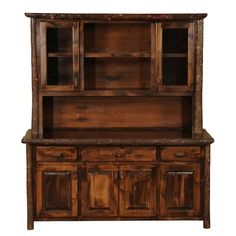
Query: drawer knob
{"points": [[180, 154], [58, 155], [118, 154]]}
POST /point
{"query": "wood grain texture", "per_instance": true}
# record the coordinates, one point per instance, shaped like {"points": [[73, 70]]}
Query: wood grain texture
{"points": [[118, 154], [180, 153], [30, 187], [121, 17], [57, 190], [35, 81], [137, 190], [99, 190], [55, 153], [206, 222], [180, 190], [128, 137], [197, 105], [117, 118], [89, 112]]}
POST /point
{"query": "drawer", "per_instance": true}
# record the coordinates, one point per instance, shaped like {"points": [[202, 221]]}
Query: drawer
{"points": [[184, 153], [118, 154], [53, 153]]}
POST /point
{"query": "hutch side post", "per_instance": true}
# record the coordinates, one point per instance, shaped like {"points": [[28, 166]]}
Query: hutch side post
{"points": [[206, 220], [30, 194], [35, 87], [197, 105]]}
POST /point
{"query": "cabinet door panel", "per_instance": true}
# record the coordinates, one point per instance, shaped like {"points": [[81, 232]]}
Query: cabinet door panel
{"points": [[99, 195], [137, 190], [56, 190], [180, 190]]}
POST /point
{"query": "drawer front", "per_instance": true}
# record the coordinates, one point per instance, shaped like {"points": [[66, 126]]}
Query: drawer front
{"points": [[118, 154], [184, 153], [53, 153]]}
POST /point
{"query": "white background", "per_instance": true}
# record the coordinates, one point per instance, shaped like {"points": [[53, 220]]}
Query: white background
{"points": [[219, 100]]}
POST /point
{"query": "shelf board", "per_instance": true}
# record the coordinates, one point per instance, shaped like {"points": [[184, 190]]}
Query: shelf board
{"points": [[117, 54], [175, 55], [60, 54], [117, 93]]}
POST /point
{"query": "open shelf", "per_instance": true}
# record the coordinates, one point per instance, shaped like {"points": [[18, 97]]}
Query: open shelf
{"points": [[175, 55], [117, 54], [60, 54], [117, 38], [117, 73]]}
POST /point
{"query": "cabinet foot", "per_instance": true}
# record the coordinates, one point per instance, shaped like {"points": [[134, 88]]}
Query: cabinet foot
{"points": [[207, 223], [30, 225]]}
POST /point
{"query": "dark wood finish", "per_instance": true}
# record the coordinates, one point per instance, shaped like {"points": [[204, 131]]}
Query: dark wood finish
{"points": [[122, 17], [56, 153], [99, 190], [118, 137], [180, 190], [35, 81], [117, 118], [30, 187], [137, 190], [197, 105], [94, 112], [206, 222], [182, 153], [118, 154], [56, 189]]}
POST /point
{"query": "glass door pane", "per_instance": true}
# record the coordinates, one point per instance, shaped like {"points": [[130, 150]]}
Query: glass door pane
{"points": [[177, 56], [59, 55]]}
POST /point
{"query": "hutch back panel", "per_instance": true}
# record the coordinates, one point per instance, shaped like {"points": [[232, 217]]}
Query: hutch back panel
{"points": [[117, 118]]}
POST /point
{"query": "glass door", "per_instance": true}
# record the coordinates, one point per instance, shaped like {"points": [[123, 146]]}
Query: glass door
{"points": [[177, 57], [59, 55]]}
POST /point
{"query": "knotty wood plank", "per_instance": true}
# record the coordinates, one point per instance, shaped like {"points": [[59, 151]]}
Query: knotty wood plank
{"points": [[30, 188], [35, 81], [81, 55], [206, 222], [197, 105]]}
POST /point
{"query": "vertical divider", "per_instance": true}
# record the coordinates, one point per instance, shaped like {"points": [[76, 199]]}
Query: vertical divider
{"points": [[190, 55], [81, 55], [159, 55], [153, 57], [76, 60]]}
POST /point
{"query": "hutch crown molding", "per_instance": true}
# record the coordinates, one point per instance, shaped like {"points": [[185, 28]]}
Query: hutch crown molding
{"points": [[117, 118]]}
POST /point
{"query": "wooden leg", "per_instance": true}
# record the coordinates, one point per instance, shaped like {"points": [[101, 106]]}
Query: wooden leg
{"points": [[206, 222], [30, 210]]}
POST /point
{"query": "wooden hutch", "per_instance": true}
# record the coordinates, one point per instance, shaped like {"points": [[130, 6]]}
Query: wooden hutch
{"points": [[117, 118]]}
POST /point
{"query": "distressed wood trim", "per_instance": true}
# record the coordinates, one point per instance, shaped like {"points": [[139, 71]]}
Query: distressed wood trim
{"points": [[206, 222], [30, 191], [35, 86], [153, 57], [81, 55], [197, 101]]}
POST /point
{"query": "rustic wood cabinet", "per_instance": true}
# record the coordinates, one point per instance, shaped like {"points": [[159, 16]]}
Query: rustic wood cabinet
{"points": [[117, 118]]}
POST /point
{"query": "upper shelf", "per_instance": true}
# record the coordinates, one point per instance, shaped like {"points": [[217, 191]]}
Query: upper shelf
{"points": [[117, 17], [117, 54]]}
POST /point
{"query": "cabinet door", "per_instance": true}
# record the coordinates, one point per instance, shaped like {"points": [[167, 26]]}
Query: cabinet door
{"points": [[56, 185], [176, 56], [59, 42], [99, 196], [137, 190], [180, 190]]}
